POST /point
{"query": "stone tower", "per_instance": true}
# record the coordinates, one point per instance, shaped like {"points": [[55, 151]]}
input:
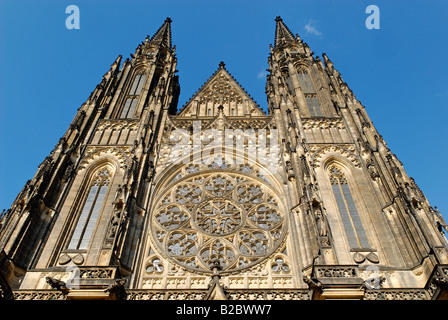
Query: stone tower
{"points": [[220, 199]]}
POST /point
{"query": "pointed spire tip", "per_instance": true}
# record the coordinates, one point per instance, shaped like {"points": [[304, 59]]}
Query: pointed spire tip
{"points": [[282, 32], [163, 35]]}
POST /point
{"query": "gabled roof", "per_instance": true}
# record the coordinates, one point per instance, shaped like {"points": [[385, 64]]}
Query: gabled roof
{"points": [[221, 89]]}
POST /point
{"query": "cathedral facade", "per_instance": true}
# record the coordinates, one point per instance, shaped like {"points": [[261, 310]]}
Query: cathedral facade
{"points": [[142, 200]]}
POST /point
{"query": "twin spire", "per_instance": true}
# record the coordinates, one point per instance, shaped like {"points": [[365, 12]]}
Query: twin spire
{"points": [[221, 90], [163, 36]]}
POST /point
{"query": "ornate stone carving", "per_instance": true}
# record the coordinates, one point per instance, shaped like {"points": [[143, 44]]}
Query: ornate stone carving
{"points": [[273, 294], [96, 273], [78, 259], [117, 290], [92, 153], [38, 295], [117, 124], [155, 266], [372, 170], [359, 257], [163, 295], [385, 294], [221, 90], [280, 266], [309, 123], [220, 217], [372, 257], [64, 259], [346, 151], [336, 272]]}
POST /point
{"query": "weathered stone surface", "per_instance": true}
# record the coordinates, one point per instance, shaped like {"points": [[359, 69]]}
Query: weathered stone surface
{"points": [[218, 199]]}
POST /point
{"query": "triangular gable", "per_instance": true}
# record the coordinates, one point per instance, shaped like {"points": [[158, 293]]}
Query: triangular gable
{"points": [[221, 89]]}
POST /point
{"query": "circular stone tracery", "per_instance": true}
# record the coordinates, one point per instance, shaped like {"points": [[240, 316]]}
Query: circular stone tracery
{"points": [[218, 216], [230, 218]]}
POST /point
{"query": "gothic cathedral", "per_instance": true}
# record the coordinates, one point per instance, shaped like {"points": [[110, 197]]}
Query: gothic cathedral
{"points": [[219, 199]]}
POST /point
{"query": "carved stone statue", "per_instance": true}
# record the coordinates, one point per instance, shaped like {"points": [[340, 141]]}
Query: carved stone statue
{"points": [[320, 222]]}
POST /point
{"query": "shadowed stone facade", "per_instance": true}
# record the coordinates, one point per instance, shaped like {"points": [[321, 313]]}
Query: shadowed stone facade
{"points": [[219, 199]]}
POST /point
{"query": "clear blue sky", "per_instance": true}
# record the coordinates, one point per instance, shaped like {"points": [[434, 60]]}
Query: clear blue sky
{"points": [[399, 72]]}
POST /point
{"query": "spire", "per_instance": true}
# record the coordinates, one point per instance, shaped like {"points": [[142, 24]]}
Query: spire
{"points": [[327, 62], [116, 63], [163, 36], [282, 33]]}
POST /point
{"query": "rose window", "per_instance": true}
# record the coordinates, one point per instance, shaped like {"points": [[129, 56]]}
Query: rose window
{"points": [[227, 218], [217, 216]]}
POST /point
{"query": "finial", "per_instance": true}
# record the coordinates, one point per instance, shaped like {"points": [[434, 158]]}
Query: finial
{"points": [[222, 64], [168, 20], [327, 60], [278, 18], [117, 61]]}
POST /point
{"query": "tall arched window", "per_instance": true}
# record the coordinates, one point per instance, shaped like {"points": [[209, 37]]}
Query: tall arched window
{"points": [[349, 214], [310, 94], [91, 209], [305, 82], [131, 101]]}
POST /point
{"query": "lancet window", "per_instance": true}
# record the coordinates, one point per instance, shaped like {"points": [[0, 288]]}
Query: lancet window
{"points": [[90, 210], [130, 105], [349, 213], [310, 94]]}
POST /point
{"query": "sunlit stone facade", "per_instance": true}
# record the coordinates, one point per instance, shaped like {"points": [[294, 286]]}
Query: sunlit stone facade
{"points": [[219, 199]]}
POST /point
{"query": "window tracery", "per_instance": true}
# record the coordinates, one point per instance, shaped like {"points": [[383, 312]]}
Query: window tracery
{"points": [[91, 209], [280, 266], [349, 214], [224, 217], [155, 266], [128, 110], [310, 94]]}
